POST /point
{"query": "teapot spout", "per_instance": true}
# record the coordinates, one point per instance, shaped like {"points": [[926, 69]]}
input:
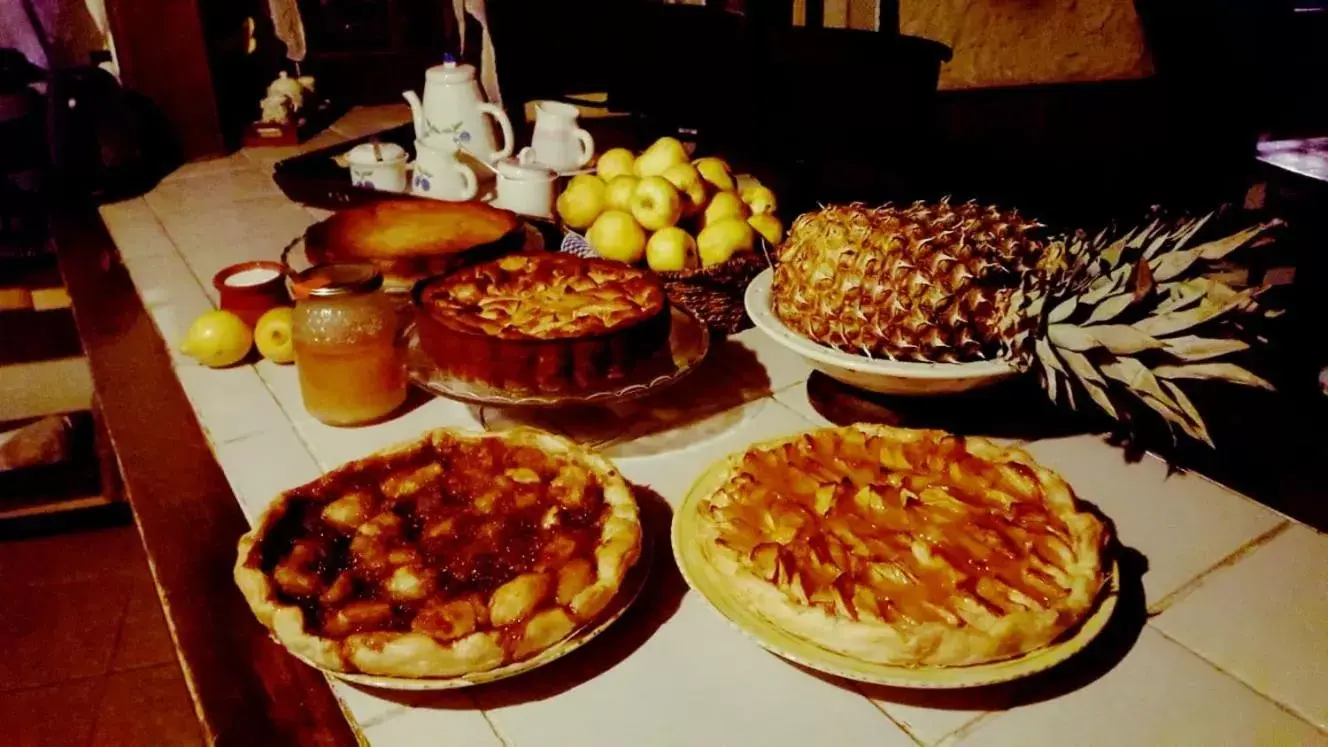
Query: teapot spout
{"points": [[417, 113]]}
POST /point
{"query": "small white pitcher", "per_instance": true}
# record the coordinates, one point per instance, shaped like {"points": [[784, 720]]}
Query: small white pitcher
{"points": [[438, 173], [527, 189], [557, 142]]}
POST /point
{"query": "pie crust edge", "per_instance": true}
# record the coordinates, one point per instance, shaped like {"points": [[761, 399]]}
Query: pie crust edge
{"points": [[416, 655], [931, 644]]}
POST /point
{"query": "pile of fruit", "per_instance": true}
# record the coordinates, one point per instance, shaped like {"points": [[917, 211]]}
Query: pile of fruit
{"points": [[674, 213], [220, 338]]}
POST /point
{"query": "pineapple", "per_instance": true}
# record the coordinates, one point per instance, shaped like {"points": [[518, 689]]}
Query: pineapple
{"points": [[939, 283], [1116, 318]]}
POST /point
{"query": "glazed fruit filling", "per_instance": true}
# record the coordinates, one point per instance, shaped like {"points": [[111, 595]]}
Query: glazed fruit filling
{"points": [[446, 539], [545, 297], [868, 528]]}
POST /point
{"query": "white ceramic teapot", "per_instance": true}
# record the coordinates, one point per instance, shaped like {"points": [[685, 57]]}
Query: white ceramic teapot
{"points": [[438, 172], [454, 106]]}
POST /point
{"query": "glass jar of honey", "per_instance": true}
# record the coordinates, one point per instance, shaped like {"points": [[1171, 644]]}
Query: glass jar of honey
{"points": [[348, 347]]}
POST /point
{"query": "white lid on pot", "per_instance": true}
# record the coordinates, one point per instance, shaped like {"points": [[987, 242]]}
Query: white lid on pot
{"points": [[364, 154]]}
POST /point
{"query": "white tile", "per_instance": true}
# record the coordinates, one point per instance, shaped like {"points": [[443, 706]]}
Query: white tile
{"points": [[669, 462], [266, 158], [135, 229], [204, 193], [694, 680], [163, 278], [795, 398], [782, 366], [230, 402], [261, 465], [1159, 694], [1263, 621], [254, 229], [450, 722], [333, 446], [1182, 523], [283, 381], [233, 162], [319, 214], [366, 120]]}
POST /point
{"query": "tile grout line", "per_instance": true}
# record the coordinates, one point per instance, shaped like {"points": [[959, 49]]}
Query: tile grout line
{"points": [[101, 699], [1261, 695], [484, 714], [907, 732], [1231, 559]]}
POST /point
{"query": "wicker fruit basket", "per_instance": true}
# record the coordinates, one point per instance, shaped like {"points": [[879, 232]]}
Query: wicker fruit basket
{"points": [[715, 294]]}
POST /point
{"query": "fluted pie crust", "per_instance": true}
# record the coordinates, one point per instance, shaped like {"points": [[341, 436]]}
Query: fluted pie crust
{"points": [[544, 322], [904, 547], [455, 554]]}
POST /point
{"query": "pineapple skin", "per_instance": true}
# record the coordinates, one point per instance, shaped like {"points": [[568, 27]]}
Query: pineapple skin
{"points": [[931, 282]]}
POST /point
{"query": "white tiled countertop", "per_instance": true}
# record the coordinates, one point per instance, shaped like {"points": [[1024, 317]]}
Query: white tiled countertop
{"points": [[1226, 642]]}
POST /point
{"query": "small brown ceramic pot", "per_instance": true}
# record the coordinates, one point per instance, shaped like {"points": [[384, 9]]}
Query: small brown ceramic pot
{"points": [[249, 289]]}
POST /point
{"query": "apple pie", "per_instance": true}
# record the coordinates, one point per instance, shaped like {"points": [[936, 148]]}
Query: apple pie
{"points": [[904, 547], [452, 555], [544, 322]]}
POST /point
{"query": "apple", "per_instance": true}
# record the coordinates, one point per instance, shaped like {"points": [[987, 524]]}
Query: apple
{"points": [[723, 238], [615, 162], [655, 203], [716, 172], [616, 235], [272, 335], [618, 195], [661, 154], [725, 205], [768, 226], [670, 250], [760, 199], [582, 201], [688, 180]]}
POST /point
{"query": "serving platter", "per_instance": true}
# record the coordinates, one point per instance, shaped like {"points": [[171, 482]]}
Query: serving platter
{"points": [[872, 374], [689, 341], [632, 584], [712, 586]]}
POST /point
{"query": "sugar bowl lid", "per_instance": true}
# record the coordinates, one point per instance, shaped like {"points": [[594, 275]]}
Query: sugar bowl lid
{"points": [[367, 154]]}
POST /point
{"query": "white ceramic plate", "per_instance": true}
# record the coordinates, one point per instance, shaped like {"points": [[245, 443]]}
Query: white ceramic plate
{"points": [[714, 587], [874, 375]]}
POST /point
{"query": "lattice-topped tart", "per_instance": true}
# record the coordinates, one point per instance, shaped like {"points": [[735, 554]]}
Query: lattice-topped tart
{"points": [[451, 555], [543, 322], [904, 547]]}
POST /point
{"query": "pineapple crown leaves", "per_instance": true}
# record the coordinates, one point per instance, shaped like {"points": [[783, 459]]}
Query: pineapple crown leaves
{"points": [[1127, 317]]}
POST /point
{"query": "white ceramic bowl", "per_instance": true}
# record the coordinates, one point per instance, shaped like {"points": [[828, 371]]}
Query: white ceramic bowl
{"points": [[884, 376]]}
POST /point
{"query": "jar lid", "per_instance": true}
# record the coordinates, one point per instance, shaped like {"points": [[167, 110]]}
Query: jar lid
{"points": [[339, 279], [363, 154]]}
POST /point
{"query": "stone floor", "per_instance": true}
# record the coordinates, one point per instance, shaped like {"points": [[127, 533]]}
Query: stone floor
{"points": [[85, 654]]}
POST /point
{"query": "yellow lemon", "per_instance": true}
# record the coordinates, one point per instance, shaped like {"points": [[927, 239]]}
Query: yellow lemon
{"points": [[218, 339]]}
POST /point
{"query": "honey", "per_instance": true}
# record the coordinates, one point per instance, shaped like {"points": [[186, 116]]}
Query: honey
{"points": [[348, 347]]}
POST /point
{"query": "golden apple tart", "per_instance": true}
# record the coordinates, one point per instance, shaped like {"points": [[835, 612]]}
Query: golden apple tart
{"points": [[544, 322], [904, 547], [452, 555]]}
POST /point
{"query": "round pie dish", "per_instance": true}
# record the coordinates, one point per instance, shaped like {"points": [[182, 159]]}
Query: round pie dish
{"points": [[874, 375], [951, 586], [543, 323], [451, 556]]}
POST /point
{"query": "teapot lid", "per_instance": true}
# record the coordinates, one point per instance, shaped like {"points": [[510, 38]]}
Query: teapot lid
{"points": [[450, 71], [387, 153]]}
